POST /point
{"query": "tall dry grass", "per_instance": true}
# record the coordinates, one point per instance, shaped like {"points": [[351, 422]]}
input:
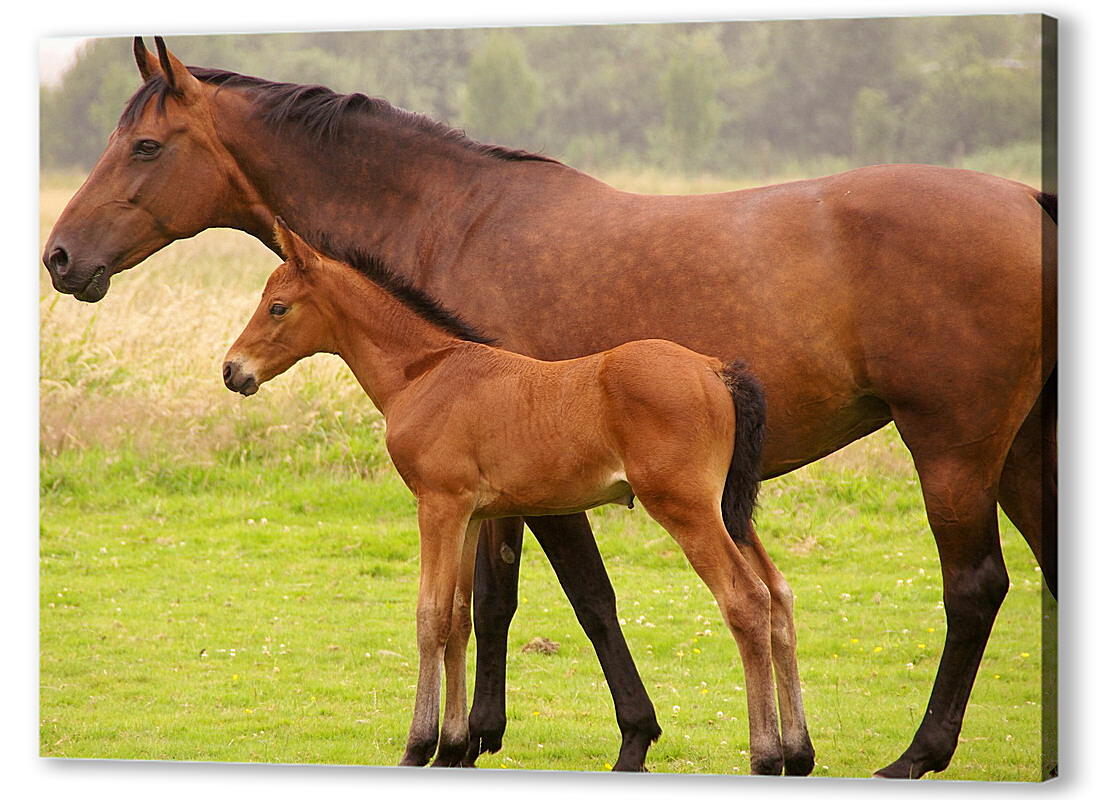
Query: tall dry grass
{"points": [[141, 369]]}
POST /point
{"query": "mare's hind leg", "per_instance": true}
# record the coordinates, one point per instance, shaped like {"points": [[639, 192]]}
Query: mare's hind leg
{"points": [[571, 548], [745, 603], [800, 756], [1029, 483], [495, 597], [959, 488]]}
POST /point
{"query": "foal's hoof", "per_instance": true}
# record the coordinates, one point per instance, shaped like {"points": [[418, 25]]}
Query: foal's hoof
{"points": [[452, 754], [801, 762], [418, 754], [767, 765]]}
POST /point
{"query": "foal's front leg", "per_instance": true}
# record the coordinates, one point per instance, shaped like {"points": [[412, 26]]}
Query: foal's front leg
{"points": [[442, 528], [454, 740]]}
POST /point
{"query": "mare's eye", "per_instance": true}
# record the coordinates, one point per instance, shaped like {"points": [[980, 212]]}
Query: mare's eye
{"points": [[278, 309], [146, 148]]}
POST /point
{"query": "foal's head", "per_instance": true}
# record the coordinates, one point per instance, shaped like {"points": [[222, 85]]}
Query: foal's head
{"points": [[289, 324]]}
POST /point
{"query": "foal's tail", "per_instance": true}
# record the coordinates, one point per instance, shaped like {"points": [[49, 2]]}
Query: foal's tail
{"points": [[740, 490]]}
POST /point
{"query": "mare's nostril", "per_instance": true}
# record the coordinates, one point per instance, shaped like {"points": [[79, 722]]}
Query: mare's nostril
{"points": [[59, 261], [226, 372]]}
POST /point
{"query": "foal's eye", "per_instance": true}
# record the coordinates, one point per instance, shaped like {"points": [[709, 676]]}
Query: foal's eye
{"points": [[146, 148], [278, 309]]}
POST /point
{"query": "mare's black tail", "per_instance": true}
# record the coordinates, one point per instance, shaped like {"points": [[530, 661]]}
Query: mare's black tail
{"points": [[1049, 202], [740, 491]]}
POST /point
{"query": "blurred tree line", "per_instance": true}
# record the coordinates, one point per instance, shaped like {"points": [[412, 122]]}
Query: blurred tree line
{"points": [[739, 98]]}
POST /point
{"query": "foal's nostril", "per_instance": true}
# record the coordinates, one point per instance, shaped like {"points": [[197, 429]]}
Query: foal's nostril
{"points": [[227, 372], [58, 261]]}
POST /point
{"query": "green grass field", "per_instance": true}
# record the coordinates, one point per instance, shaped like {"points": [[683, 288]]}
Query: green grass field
{"points": [[231, 579]]}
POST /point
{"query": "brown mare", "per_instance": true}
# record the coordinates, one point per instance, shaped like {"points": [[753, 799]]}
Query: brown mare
{"points": [[481, 433], [916, 294]]}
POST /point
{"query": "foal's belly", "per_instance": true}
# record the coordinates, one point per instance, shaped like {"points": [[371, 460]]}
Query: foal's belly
{"points": [[566, 496]]}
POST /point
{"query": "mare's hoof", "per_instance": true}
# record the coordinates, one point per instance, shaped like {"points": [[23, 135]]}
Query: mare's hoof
{"points": [[636, 742], [907, 769], [631, 766], [481, 742]]}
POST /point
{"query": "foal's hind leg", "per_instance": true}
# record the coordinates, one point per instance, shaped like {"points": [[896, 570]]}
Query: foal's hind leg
{"points": [[800, 756], [745, 603]]}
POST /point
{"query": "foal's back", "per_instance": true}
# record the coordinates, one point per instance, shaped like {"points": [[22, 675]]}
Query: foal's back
{"points": [[551, 437]]}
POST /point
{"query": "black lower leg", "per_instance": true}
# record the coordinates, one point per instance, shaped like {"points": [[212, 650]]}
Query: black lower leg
{"points": [[972, 599], [569, 545], [495, 591]]}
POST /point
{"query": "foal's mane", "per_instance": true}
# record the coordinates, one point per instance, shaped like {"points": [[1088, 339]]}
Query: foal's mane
{"points": [[318, 111], [375, 270]]}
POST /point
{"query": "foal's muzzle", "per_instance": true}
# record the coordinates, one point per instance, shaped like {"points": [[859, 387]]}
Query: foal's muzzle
{"points": [[237, 380]]}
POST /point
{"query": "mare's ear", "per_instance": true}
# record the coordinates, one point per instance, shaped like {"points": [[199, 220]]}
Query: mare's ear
{"points": [[147, 63], [299, 254], [181, 81]]}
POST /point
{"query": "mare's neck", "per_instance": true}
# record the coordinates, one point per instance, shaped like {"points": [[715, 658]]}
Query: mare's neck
{"points": [[379, 186], [385, 343]]}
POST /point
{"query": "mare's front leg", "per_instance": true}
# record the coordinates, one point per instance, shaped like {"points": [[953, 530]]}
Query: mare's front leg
{"points": [[442, 528], [454, 740], [495, 596]]}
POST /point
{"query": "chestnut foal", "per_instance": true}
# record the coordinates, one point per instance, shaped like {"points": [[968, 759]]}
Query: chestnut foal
{"points": [[477, 433]]}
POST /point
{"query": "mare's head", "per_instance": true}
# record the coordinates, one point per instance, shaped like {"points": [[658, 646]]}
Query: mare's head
{"points": [[289, 324], [164, 176]]}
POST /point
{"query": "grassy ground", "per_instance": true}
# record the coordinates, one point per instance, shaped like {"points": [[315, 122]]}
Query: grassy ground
{"points": [[234, 579]]}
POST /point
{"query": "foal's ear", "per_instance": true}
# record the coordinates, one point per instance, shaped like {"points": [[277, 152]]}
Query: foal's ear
{"points": [[181, 81], [299, 254], [146, 61]]}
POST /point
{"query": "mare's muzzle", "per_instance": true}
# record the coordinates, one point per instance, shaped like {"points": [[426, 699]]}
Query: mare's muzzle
{"points": [[237, 380], [85, 281]]}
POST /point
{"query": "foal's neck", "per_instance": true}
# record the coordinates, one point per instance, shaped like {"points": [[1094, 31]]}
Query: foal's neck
{"points": [[386, 344]]}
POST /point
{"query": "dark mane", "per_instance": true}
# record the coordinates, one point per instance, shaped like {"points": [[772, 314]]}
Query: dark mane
{"points": [[318, 110], [374, 269]]}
